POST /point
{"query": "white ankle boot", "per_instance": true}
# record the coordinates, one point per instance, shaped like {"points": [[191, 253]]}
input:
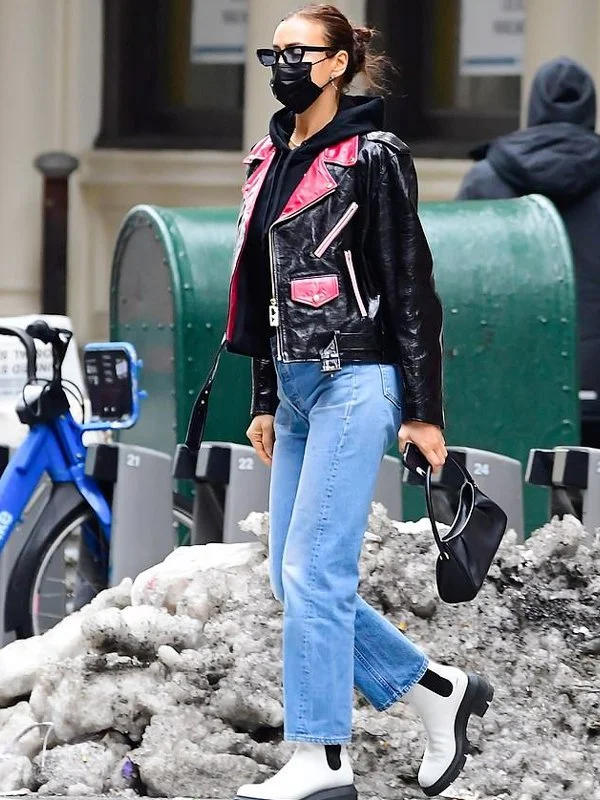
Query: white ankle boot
{"points": [[445, 719], [312, 773]]}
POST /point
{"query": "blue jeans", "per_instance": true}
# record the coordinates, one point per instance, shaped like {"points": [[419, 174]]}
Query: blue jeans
{"points": [[332, 431]]}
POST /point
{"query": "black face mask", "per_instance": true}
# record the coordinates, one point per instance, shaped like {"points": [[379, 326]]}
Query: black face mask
{"points": [[293, 87]]}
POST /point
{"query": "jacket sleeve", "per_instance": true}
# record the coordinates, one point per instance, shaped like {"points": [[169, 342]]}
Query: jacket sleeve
{"points": [[264, 378], [410, 307], [264, 387]]}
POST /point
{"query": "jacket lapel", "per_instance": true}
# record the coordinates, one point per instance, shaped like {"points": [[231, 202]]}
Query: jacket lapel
{"points": [[318, 180], [252, 187], [250, 192]]}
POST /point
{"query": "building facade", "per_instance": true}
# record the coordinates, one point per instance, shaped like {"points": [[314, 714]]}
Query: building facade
{"points": [[153, 120]]}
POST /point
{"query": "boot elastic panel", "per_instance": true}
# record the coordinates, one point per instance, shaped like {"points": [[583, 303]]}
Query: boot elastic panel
{"points": [[333, 753], [435, 683]]}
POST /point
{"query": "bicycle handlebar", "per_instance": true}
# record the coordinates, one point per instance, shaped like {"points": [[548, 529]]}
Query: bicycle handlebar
{"points": [[29, 345], [42, 331], [59, 338]]}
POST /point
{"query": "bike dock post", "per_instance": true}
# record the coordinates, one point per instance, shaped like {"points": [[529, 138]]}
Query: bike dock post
{"points": [[142, 532], [573, 476]]}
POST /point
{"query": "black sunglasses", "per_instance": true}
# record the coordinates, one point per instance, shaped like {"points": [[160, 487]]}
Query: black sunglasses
{"points": [[291, 55]]}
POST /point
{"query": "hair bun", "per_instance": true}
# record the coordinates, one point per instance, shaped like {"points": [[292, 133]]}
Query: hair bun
{"points": [[363, 36]]}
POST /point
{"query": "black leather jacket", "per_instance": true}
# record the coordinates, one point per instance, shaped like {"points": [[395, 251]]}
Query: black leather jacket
{"points": [[351, 272]]}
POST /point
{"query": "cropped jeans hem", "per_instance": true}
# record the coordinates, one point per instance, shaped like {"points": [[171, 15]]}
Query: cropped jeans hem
{"points": [[407, 686], [301, 737]]}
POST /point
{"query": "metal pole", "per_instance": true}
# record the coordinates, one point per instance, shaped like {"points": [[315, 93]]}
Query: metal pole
{"points": [[56, 168]]}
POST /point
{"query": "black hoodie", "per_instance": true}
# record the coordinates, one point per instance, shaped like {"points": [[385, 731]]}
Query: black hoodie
{"points": [[557, 155], [356, 115]]}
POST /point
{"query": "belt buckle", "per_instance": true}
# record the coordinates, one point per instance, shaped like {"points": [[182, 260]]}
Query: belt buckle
{"points": [[330, 356]]}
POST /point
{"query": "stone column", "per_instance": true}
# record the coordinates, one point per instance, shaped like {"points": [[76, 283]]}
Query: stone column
{"points": [[30, 47], [560, 27], [263, 18], [50, 61], [80, 82]]}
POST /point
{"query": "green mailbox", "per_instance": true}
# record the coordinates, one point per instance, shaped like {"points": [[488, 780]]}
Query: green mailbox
{"points": [[503, 271], [169, 293]]}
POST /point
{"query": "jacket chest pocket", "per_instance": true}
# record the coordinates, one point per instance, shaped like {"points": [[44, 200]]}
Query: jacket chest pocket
{"points": [[336, 230], [315, 291]]}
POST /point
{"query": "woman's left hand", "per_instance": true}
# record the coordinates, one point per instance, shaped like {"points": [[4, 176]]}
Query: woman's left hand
{"points": [[428, 438]]}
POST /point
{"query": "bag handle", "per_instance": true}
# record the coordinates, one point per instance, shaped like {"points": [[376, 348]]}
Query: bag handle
{"points": [[428, 500]]}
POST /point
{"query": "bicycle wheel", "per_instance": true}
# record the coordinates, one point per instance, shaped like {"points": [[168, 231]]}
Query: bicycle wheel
{"points": [[72, 566]]}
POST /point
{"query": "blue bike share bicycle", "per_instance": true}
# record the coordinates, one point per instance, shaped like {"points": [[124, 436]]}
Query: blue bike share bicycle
{"points": [[64, 561]]}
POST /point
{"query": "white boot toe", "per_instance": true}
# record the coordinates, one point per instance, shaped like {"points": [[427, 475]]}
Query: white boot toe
{"points": [[306, 776]]}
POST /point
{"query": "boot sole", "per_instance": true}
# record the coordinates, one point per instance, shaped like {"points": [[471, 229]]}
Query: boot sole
{"points": [[339, 793], [478, 696]]}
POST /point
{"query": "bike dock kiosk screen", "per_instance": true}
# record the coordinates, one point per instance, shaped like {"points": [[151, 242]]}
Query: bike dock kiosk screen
{"points": [[109, 381]]}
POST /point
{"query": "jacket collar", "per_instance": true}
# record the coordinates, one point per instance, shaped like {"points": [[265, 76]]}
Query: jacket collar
{"points": [[316, 183], [260, 151], [344, 153]]}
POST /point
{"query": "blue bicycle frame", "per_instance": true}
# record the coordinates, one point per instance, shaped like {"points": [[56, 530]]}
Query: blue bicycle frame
{"points": [[56, 448]]}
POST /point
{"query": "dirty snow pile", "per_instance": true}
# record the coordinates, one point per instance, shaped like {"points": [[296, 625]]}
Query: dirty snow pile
{"points": [[172, 686]]}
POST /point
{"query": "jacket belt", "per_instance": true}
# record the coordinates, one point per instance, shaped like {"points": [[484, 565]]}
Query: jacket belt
{"points": [[340, 347], [347, 342]]}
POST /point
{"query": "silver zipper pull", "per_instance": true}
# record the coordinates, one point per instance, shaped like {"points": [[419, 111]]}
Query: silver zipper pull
{"points": [[273, 313]]}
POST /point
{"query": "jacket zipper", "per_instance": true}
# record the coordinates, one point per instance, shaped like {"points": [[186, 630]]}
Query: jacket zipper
{"points": [[359, 300], [274, 316], [337, 229]]}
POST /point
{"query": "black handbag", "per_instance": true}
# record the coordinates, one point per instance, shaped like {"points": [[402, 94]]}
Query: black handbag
{"points": [[467, 549]]}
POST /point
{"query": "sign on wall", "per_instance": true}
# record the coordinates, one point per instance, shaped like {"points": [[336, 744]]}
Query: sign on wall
{"points": [[219, 30], [492, 37]]}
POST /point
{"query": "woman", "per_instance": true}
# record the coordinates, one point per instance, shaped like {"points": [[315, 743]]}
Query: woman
{"points": [[332, 295]]}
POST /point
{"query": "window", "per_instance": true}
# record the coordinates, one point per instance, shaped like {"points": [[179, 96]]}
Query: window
{"points": [[164, 87], [436, 109]]}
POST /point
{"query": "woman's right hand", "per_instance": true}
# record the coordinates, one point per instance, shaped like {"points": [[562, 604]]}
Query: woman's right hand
{"points": [[261, 433]]}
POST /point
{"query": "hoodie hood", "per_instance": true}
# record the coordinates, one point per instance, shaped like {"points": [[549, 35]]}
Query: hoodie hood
{"points": [[562, 91], [559, 154], [356, 115]]}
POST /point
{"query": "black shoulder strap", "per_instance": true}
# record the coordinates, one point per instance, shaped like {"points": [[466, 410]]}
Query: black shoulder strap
{"points": [[186, 454], [197, 421]]}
